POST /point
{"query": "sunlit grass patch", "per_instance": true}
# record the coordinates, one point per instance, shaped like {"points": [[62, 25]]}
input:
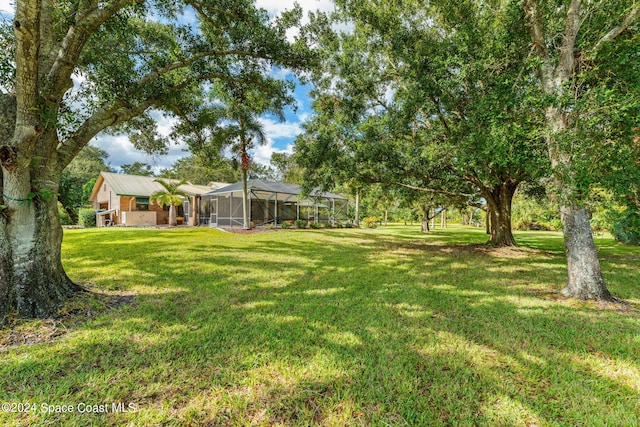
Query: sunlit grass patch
{"points": [[332, 328]]}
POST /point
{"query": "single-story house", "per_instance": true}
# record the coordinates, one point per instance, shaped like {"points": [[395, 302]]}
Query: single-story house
{"points": [[121, 199], [270, 203]]}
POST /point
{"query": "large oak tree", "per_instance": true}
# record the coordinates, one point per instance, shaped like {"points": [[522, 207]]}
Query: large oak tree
{"points": [[586, 119], [432, 96], [76, 68]]}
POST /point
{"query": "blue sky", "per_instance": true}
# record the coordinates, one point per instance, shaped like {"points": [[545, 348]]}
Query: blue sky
{"points": [[280, 136]]}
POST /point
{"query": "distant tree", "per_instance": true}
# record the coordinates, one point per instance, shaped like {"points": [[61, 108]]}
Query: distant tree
{"points": [[203, 170], [171, 196], [82, 171], [137, 168], [286, 168]]}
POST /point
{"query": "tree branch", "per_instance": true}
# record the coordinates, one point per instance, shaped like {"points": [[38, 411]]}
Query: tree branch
{"points": [[27, 127], [440, 116], [194, 129], [615, 32], [433, 190], [535, 28], [88, 18], [109, 115], [572, 26]]}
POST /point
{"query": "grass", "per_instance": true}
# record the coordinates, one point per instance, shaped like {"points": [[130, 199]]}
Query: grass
{"points": [[383, 327]]}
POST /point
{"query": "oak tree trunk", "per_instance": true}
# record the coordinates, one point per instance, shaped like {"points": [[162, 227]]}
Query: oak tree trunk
{"points": [[557, 74], [499, 200], [585, 278], [426, 210], [33, 282]]}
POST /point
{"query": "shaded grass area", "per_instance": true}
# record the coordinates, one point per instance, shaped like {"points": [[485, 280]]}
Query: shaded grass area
{"points": [[336, 327]]}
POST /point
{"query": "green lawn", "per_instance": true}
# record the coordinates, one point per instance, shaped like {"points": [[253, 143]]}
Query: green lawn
{"points": [[383, 327]]}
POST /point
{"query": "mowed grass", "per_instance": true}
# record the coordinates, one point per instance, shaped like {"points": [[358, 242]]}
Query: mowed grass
{"points": [[384, 327]]}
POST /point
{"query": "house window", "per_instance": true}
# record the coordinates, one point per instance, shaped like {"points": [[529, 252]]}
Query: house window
{"points": [[142, 204]]}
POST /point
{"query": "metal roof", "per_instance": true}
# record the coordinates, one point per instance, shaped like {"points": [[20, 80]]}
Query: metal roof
{"points": [[145, 186], [274, 187]]}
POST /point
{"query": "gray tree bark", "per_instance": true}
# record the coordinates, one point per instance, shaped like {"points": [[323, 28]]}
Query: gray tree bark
{"points": [[585, 279], [499, 200]]}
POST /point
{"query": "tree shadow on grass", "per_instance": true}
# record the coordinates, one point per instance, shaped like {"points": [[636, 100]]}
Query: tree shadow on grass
{"points": [[333, 330]]}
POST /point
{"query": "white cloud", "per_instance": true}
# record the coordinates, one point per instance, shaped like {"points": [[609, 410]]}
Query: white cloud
{"points": [[276, 131], [121, 152], [263, 153], [164, 124], [7, 6]]}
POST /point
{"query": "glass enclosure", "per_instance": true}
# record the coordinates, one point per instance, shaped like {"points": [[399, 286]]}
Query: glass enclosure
{"points": [[224, 208]]}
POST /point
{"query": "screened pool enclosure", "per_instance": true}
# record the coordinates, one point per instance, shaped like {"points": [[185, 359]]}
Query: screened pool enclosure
{"points": [[271, 203]]}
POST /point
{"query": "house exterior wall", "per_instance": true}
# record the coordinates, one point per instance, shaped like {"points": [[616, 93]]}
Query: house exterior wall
{"points": [[105, 195], [139, 218], [126, 212]]}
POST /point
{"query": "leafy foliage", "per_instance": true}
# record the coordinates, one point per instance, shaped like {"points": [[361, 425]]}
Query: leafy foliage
{"points": [[626, 227], [78, 178], [171, 195], [434, 97], [137, 168], [88, 217]]}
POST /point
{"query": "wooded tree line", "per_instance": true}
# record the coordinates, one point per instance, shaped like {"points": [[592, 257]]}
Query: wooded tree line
{"points": [[469, 99]]}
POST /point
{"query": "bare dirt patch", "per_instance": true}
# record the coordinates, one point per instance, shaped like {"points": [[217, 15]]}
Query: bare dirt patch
{"points": [[82, 307]]}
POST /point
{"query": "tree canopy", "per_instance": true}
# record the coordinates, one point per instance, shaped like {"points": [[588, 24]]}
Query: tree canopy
{"points": [[73, 69], [472, 98]]}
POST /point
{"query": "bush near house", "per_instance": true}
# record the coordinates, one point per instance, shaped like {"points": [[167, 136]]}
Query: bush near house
{"points": [[371, 222], [88, 217]]}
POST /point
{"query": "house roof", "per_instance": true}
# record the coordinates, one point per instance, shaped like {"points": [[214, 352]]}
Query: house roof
{"points": [[274, 187], [141, 186]]}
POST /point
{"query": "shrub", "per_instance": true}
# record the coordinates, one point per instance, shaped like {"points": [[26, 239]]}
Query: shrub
{"points": [[626, 228], [285, 224], [556, 225], [520, 225], [300, 223], [65, 219], [315, 225], [371, 221], [88, 217]]}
